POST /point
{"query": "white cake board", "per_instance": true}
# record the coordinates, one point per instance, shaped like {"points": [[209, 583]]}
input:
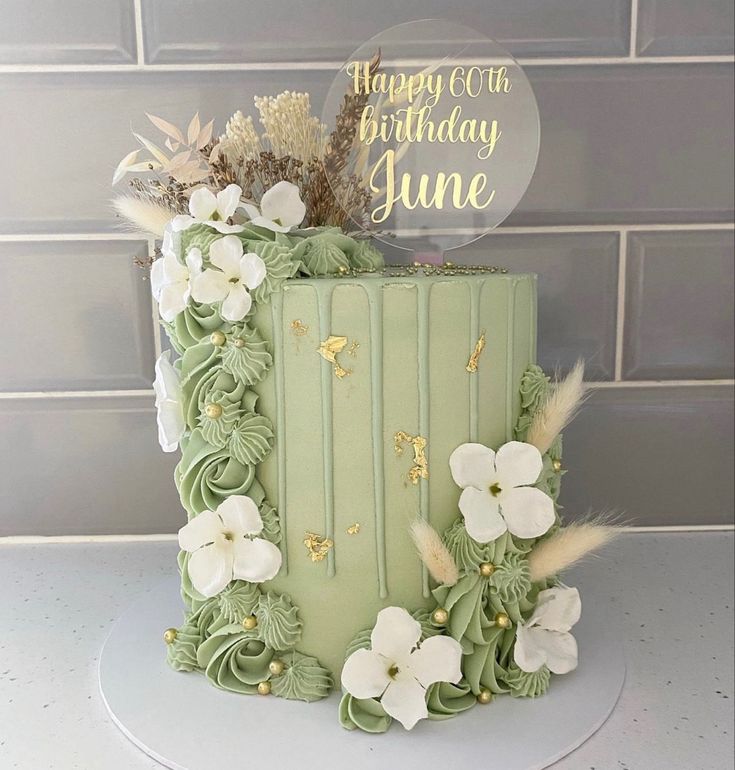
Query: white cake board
{"points": [[185, 723]]}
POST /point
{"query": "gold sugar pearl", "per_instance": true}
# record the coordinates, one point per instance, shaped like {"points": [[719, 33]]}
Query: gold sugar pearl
{"points": [[276, 667], [213, 411], [250, 622], [484, 697], [487, 569], [238, 342], [556, 465], [343, 270], [440, 616], [502, 620], [169, 635], [217, 338], [264, 688]]}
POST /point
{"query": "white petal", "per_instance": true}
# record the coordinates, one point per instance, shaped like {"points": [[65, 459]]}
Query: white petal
{"points": [[201, 530], [283, 203], [210, 286], [558, 609], [225, 254], [167, 384], [158, 278], [172, 300], [527, 653], [365, 674], [236, 304], [240, 515], [472, 465], [438, 659], [269, 224], [256, 560], [562, 655], [252, 270], [194, 261], [173, 270], [395, 634], [482, 518], [202, 204], [171, 424], [250, 210], [528, 512], [181, 222], [210, 568], [224, 228], [405, 700], [227, 200], [518, 464]]}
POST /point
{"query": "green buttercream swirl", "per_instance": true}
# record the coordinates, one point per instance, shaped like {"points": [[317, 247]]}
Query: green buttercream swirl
{"points": [[279, 625], [302, 679], [511, 579], [251, 438], [325, 252], [194, 324], [363, 714], [199, 236], [238, 601], [279, 266], [271, 523], [234, 659], [365, 256], [445, 700], [250, 362], [525, 685]]}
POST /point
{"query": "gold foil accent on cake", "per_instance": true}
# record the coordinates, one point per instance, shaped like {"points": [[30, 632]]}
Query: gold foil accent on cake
{"points": [[328, 351], [354, 529], [352, 352], [317, 546], [476, 353], [420, 468], [299, 328]]}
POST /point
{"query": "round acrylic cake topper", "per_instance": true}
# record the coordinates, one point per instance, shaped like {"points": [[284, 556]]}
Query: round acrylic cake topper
{"points": [[439, 125]]}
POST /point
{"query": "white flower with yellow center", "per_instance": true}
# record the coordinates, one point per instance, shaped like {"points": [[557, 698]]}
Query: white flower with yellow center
{"points": [[398, 670], [544, 639], [209, 209], [169, 404], [224, 547], [496, 495], [281, 208]]}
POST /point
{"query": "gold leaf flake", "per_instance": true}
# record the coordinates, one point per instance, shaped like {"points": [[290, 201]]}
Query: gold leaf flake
{"points": [[352, 352], [475, 357], [317, 546], [420, 467], [299, 328], [354, 529], [328, 351]]}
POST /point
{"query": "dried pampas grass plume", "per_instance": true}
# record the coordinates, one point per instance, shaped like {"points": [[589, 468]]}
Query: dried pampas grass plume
{"points": [[434, 553], [558, 410], [145, 216], [567, 546]]}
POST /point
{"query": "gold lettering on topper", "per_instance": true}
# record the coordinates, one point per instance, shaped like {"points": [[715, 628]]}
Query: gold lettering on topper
{"points": [[420, 467]]}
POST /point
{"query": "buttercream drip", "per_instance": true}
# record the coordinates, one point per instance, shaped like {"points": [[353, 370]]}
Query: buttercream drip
{"points": [[525, 685], [207, 476], [445, 700], [251, 438], [247, 362], [302, 678], [234, 659], [279, 625]]}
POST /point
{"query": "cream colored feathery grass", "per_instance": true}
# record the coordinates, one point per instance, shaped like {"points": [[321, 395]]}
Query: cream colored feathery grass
{"points": [[559, 409], [144, 216], [434, 553], [568, 545]]}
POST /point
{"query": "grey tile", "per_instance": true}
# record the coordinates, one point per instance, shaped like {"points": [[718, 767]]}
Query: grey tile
{"points": [[679, 308], [632, 144], [618, 145], [310, 30], [681, 27], [72, 32], [81, 316], [577, 292], [658, 456], [85, 466]]}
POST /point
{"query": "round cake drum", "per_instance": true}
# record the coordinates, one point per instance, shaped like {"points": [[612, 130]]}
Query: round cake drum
{"points": [[184, 723]]}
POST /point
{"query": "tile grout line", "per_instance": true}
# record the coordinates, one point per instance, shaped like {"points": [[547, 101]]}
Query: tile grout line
{"points": [[171, 537], [315, 66], [620, 315], [139, 46], [633, 42]]}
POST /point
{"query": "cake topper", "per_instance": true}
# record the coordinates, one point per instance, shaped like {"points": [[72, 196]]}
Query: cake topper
{"points": [[447, 135]]}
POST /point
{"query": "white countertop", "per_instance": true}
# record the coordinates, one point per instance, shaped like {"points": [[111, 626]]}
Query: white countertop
{"points": [[673, 594]]}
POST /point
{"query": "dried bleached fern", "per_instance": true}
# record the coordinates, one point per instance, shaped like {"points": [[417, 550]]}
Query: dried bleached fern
{"points": [[434, 553], [568, 545], [558, 410]]}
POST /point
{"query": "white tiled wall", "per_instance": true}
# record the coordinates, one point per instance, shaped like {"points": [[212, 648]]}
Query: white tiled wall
{"points": [[628, 221]]}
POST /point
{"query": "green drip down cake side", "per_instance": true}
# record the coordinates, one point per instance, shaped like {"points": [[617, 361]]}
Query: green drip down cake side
{"points": [[375, 381]]}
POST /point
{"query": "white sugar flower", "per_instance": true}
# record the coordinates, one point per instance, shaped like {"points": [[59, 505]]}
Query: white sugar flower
{"points": [[169, 404], [399, 669], [237, 273], [209, 209], [281, 208], [171, 281], [223, 547], [545, 637], [495, 495]]}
